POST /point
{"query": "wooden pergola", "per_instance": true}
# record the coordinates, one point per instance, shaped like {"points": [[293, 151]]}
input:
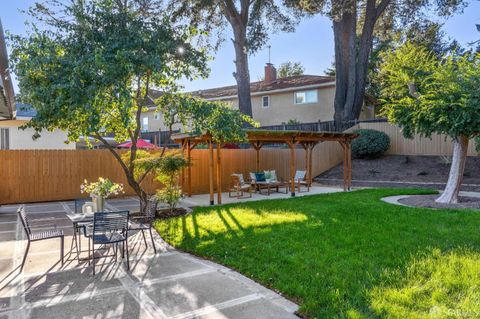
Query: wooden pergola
{"points": [[258, 138]]}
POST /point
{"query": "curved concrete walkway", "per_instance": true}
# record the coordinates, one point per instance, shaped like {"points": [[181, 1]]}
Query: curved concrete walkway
{"points": [[395, 199], [169, 284]]}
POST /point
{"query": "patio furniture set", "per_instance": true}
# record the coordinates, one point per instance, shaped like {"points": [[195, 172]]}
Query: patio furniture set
{"points": [[107, 228], [261, 181]]}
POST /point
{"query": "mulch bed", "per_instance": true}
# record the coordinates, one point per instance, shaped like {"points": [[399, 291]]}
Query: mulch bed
{"points": [[166, 213], [397, 169], [429, 202]]}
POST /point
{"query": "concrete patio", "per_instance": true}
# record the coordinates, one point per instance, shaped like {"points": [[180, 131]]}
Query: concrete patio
{"points": [[169, 284], [204, 199]]}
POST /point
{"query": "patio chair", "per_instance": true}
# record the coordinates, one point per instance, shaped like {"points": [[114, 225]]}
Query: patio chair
{"points": [[143, 222], [239, 186], [37, 236], [300, 180], [109, 228]]}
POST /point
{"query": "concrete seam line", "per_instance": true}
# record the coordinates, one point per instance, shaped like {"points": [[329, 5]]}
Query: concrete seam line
{"points": [[143, 300], [66, 299], [189, 274], [218, 306], [66, 207]]}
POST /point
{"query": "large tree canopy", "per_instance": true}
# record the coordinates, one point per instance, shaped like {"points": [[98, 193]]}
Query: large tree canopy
{"points": [[90, 71], [250, 21], [354, 26], [425, 94]]}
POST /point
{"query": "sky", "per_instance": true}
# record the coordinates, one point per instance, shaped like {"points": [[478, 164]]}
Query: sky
{"points": [[311, 43]]}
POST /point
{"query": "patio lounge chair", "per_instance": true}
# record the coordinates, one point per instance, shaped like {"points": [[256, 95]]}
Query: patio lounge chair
{"points": [[37, 236], [300, 180], [109, 228], [239, 187]]}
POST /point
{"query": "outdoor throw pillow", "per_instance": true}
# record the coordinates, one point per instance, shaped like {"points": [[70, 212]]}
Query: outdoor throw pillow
{"points": [[252, 177], [271, 176], [260, 177]]}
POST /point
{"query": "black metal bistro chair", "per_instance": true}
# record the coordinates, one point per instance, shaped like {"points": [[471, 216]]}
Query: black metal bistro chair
{"points": [[37, 236], [143, 224], [108, 228]]}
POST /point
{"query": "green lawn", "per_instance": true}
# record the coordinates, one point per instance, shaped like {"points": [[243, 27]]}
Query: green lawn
{"points": [[345, 255]]}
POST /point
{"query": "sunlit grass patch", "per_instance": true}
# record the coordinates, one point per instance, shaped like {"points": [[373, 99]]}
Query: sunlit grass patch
{"points": [[336, 255], [437, 285]]}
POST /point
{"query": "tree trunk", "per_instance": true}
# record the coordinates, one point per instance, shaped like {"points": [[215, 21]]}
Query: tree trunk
{"points": [[450, 193], [352, 55], [242, 74]]}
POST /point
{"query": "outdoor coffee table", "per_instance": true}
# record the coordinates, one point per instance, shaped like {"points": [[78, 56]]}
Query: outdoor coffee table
{"points": [[269, 186]]}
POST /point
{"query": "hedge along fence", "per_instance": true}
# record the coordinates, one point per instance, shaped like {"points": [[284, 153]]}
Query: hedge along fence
{"points": [[438, 145], [48, 175]]}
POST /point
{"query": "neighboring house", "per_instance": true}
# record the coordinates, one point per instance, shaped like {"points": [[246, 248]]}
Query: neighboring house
{"points": [[14, 138], [301, 98]]}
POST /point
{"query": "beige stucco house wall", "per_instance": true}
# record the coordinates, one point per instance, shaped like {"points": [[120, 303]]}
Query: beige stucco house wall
{"points": [[22, 139], [281, 108]]}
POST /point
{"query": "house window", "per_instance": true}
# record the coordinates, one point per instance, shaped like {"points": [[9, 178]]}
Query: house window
{"points": [[4, 139], [145, 124], [265, 101], [156, 116], [304, 97]]}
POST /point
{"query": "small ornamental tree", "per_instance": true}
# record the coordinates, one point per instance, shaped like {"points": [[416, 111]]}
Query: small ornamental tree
{"points": [[89, 73], [424, 94]]}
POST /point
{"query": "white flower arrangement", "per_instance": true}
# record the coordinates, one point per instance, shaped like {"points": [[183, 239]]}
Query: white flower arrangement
{"points": [[102, 188]]}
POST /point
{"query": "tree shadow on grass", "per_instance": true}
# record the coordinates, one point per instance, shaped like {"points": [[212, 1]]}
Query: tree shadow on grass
{"points": [[335, 258]]}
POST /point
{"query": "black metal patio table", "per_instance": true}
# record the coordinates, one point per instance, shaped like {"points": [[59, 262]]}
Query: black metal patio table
{"points": [[79, 219]]}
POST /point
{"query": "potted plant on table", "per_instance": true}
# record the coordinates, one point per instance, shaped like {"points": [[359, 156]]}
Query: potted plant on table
{"points": [[100, 190]]}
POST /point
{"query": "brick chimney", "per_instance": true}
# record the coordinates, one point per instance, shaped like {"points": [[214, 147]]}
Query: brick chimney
{"points": [[270, 73]]}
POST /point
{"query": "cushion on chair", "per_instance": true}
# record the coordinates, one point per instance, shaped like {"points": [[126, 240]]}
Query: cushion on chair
{"points": [[300, 175], [271, 176], [240, 178], [260, 177], [253, 177]]}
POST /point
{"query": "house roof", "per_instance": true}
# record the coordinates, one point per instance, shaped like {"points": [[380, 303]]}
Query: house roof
{"points": [[262, 86], [290, 82]]}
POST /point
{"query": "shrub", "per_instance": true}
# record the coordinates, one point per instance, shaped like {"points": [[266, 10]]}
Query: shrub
{"points": [[370, 144]]}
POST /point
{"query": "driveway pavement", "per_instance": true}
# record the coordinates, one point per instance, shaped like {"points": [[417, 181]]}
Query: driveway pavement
{"points": [[169, 284]]}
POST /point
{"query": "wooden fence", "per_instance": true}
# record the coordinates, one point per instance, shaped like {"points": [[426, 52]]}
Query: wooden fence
{"points": [[47, 175], [437, 145]]}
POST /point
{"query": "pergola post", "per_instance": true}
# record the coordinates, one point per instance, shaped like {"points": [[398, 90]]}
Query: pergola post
{"points": [[291, 145], [210, 170], [219, 174], [257, 146], [182, 175], [310, 159], [349, 164], [189, 168]]}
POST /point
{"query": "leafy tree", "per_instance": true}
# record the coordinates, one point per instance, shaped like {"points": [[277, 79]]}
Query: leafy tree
{"points": [[354, 24], [425, 94], [90, 71], [290, 68], [251, 21], [422, 32]]}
